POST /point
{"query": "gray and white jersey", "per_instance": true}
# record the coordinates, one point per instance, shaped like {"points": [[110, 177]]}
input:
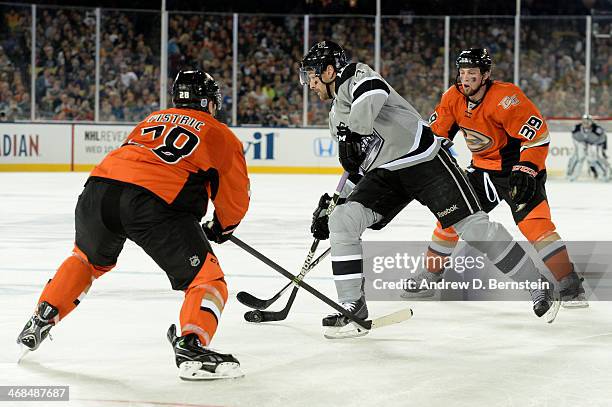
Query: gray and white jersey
{"points": [[396, 135], [594, 134]]}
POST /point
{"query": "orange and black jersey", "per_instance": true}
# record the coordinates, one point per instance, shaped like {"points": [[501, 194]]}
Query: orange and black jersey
{"points": [[501, 130], [185, 157]]}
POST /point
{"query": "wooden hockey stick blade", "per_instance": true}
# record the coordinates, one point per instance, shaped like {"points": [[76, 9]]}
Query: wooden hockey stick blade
{"points": [[393, 318]]}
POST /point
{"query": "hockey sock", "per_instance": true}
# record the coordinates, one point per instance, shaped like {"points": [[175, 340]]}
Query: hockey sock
{"points": [[70, 283], [443, 242], [554, 254], [204, 302]]}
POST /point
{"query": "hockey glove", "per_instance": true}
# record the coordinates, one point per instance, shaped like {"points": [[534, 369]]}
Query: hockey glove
{"points": [[523, 182], [320, 219], [350, 152], [215, 232]]}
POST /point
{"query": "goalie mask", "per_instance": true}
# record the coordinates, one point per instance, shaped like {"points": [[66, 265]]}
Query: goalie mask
{"points": [[194, 89]]}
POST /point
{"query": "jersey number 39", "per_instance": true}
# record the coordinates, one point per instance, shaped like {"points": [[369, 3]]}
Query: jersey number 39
{"points": [[531, 127]]}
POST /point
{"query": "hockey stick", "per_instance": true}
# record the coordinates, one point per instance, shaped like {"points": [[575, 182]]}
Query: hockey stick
{"points": [[256, 303], [253, 302], [367, 325]]}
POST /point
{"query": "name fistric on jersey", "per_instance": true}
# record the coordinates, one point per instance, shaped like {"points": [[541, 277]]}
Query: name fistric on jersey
{"points": [[185, 157], [368, 105]]}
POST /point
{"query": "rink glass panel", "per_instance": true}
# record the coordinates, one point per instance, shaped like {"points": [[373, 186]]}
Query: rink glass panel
{"points": [[355, 35], [15, 58], [412, 59], [269, 51], [129, 64], [202, 41], [552, 64], [601, 67]]}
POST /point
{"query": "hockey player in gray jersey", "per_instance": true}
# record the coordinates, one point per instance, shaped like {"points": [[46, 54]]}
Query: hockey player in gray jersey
{"points": [[394, 158], [590, 145]]}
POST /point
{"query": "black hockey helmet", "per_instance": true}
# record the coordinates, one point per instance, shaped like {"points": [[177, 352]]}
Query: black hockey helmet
{"points": [[474, 58], [194, 89], [321, 55]]}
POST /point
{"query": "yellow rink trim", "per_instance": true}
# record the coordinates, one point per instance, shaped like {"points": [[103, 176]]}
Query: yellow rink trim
{"points": [[88, 167], [34, 167], [252, 169]]}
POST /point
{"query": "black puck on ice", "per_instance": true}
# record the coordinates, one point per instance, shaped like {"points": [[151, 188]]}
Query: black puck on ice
{"points": [[253, 316]]}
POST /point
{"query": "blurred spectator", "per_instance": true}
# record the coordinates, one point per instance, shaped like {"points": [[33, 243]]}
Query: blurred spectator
{"points": [[129, 58], [14, 62], [198, 41], [65, 62], [268, 85]]}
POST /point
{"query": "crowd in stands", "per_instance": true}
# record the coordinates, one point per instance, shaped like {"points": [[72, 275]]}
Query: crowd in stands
{"points": [[65, 64], [552, 61], [198, 41], [15, 100], [129, 65], [601, 68], [269, 92]]}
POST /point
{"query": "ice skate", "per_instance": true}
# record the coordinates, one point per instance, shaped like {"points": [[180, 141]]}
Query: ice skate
{"points": [[339, 327], [546, 302], [196, 362], [37, 328], [572, 292], [414, 284]]}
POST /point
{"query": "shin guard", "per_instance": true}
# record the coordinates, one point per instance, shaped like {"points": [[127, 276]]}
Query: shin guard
{"points": [[71, 283], [204, 303]]}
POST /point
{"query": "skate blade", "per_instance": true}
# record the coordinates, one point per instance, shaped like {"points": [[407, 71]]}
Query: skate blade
{"points": [[191, 371], [552, 312], [571, 304], [350, 330], [22, 352]]}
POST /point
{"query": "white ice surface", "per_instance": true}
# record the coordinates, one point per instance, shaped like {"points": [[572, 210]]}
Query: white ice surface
{"points": [[112, 350]]}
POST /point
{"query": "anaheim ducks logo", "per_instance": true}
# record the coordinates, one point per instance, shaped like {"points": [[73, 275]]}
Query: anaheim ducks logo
{"points": [[476, 141]]}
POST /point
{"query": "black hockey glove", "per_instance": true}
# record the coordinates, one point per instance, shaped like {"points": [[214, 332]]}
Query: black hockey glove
{"points": [[320, 219], [350, 152], [523, 182], [215, 233]]}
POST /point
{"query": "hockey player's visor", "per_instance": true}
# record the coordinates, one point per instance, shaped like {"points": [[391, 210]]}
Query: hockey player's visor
{"points": [[304, 76]]}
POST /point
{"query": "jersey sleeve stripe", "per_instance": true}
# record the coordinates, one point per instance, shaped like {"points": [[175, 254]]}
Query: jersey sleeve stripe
{"points": [[537, 142], [363, 96], [367, 85]]}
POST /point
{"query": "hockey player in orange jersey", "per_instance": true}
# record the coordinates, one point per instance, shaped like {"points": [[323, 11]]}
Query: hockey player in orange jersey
{"points": [[509, 140], [154, 190]]}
